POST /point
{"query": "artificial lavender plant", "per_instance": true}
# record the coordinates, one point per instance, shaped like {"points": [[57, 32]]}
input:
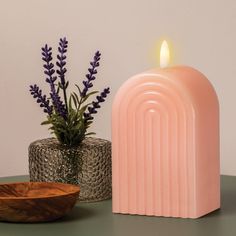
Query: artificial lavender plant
{"points": [[69, 117]]}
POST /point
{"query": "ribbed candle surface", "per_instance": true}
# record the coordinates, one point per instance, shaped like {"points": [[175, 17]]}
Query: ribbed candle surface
{"points": [[165, 145]]}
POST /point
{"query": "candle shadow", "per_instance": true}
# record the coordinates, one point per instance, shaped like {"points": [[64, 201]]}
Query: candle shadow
{"points": [[228, 198]]}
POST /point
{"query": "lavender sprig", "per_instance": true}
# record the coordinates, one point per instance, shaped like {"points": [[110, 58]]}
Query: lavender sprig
{"points": [[69, 120], [41, 99], [96, 104], [91, 75], [62, 49], [56, 100]]}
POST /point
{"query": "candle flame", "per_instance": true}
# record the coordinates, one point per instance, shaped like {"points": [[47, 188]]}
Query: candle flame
{"points": [[164, 54]]}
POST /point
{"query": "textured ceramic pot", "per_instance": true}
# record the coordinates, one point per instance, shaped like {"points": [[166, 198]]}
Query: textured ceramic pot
{"points": [[88, 165]]}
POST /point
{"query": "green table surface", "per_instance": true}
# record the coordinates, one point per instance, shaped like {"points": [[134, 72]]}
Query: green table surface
{"points": [[96, 219]]}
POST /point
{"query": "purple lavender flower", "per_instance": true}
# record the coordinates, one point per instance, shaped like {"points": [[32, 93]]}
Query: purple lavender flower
{"points": [[41, 99], [91, 75], [62, 49], [56, 100], [96, 104]]}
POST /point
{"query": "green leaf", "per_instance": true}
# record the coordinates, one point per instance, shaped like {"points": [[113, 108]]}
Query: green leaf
{"points": [[46, 122], [88, 95], [78, 88], [76, 96], [91, 133], [75, 101], [60, 85], [58, 89], [70, 105], [82, 110]]}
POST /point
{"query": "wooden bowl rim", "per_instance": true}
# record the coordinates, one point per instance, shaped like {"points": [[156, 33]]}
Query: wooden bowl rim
{"points": [[75, 188]]}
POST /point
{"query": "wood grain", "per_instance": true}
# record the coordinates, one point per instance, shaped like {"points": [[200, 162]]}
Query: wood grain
{"points": [[36, 201]]}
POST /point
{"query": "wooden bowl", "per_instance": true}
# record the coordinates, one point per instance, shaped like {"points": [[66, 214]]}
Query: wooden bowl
{"points": [[36, 201]]}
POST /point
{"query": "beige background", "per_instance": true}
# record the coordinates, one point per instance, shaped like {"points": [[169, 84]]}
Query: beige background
{"points": [[202, 34]]}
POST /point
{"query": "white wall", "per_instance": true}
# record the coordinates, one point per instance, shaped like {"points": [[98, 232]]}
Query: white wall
{"points": [[202, 34]]}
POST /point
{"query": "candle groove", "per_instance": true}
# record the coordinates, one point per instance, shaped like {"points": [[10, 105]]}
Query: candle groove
{"points": [[164, 195]]}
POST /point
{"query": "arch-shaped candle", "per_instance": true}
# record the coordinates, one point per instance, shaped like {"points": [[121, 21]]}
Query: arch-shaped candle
{"points": [[165, 144]]}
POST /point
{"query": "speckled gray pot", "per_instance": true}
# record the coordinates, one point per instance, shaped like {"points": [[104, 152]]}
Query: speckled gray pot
{"points": [[88, 165]]}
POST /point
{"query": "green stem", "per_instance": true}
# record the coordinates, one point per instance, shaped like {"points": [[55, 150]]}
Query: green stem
{"points": [[80, 103], [65, 98]]}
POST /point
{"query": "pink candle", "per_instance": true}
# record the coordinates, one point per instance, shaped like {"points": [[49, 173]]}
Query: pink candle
{"points": [[165, 144]]}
